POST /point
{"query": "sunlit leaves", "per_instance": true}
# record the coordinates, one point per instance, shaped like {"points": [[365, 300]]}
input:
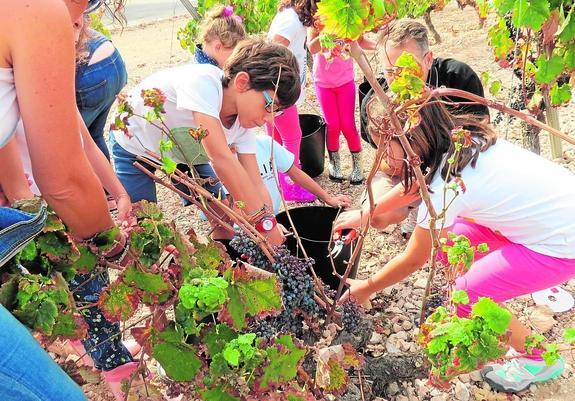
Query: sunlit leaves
{"points": [[343, 18], [408, 81], [548, 69], [118, 302], [500, 40], [560, 94], [530, 13], [284, 358]]}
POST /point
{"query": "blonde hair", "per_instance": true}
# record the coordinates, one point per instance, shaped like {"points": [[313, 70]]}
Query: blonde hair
{"points": [[227, 29]]}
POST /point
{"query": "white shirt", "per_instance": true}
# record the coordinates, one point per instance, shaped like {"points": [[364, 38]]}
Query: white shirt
{"points": [[191, 87], [9, 112], [283, 160], [528, 199], [286, 23]]}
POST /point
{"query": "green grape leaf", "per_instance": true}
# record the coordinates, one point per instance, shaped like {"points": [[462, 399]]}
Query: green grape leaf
{"points": [[252, 293], [284, 358], [566, 31], [144, 209], [533, 341], [530, 13], [168, 165], [87, 260], [560, 94], [152, 285], [232, 356], [569, 335], [496, 317], [70, 326], [551, 354], [39, 315], [548, 70], [219, 367], [208, 256], [482, 7], [178, 360], [205, 295], [9, 291], [185, 254], [28, 253], [498, 36], [343, 18], [118, 301], [569, 57], [166, 146], [503, 6], [495, 87], [408, 83], [217, 337], [57, 247], [217, 394], [53, 223], [460, 297]]}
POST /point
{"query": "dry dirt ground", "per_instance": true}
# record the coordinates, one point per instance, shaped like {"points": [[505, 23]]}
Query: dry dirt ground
{"points": [[148, 48]]}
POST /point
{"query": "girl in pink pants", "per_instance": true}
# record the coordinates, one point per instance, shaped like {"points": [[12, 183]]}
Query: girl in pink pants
{"points": [[335, 88], [517, 202]]}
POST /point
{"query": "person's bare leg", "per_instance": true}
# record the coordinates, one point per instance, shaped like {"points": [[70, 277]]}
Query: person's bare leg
{"points": [[519, 333]]}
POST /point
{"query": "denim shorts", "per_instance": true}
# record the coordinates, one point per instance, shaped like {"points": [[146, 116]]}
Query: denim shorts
{"points": [[17, 228], [96, 88]]}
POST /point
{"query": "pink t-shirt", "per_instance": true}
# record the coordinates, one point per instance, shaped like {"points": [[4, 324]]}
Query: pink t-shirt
{"points": [[332, 74]]}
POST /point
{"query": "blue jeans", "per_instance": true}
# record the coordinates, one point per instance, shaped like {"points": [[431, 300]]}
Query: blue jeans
{"points": [[141, 187], [17, 228], [96, 88], [27, 373]]}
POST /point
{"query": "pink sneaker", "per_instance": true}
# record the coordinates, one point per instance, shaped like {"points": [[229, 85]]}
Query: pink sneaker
{"points": [[293, 192]]}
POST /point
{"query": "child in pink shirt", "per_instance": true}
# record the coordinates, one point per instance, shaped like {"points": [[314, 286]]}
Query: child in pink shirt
{"points": [[335, 88]]}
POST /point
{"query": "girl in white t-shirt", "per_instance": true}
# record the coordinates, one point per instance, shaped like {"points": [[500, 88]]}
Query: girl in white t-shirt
{"points": [[289, 28], [227, 104], [517, 202]]}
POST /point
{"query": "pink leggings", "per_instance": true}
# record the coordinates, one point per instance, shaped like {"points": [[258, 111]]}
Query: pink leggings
{"points": [[338, 108], [287, 131], [508, 270]]}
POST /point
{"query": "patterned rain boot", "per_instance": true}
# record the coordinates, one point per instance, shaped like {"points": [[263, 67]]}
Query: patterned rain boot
{"points": [[335, 173], [356, 176]]}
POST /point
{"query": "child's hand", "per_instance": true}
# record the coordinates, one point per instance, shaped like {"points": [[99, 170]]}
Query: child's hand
{"points": [[339, 201]]}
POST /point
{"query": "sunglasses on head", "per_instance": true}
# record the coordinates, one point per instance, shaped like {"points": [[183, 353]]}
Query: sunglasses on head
{"points": [[93, 5]]}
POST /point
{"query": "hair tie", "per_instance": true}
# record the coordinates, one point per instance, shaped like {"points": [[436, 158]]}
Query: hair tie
{"points": [[229, 12]]}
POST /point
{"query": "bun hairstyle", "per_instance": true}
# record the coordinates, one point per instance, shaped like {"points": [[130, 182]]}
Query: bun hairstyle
{"points": [[220, 23]]}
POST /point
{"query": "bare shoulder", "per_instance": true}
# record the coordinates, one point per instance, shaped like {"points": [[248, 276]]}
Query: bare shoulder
{"points": [[30, 16]]}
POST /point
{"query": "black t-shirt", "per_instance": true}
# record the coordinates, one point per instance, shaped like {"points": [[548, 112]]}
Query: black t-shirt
{"points": [[444, 72]]}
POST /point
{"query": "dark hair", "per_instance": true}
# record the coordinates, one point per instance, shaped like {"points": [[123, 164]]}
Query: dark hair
{"points": [[262, 61], [305, 9], [432, 140]]}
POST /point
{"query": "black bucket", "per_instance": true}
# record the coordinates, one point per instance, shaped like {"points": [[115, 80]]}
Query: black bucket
{"points": [[363, 90], [313, 224], [312, 148]]}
